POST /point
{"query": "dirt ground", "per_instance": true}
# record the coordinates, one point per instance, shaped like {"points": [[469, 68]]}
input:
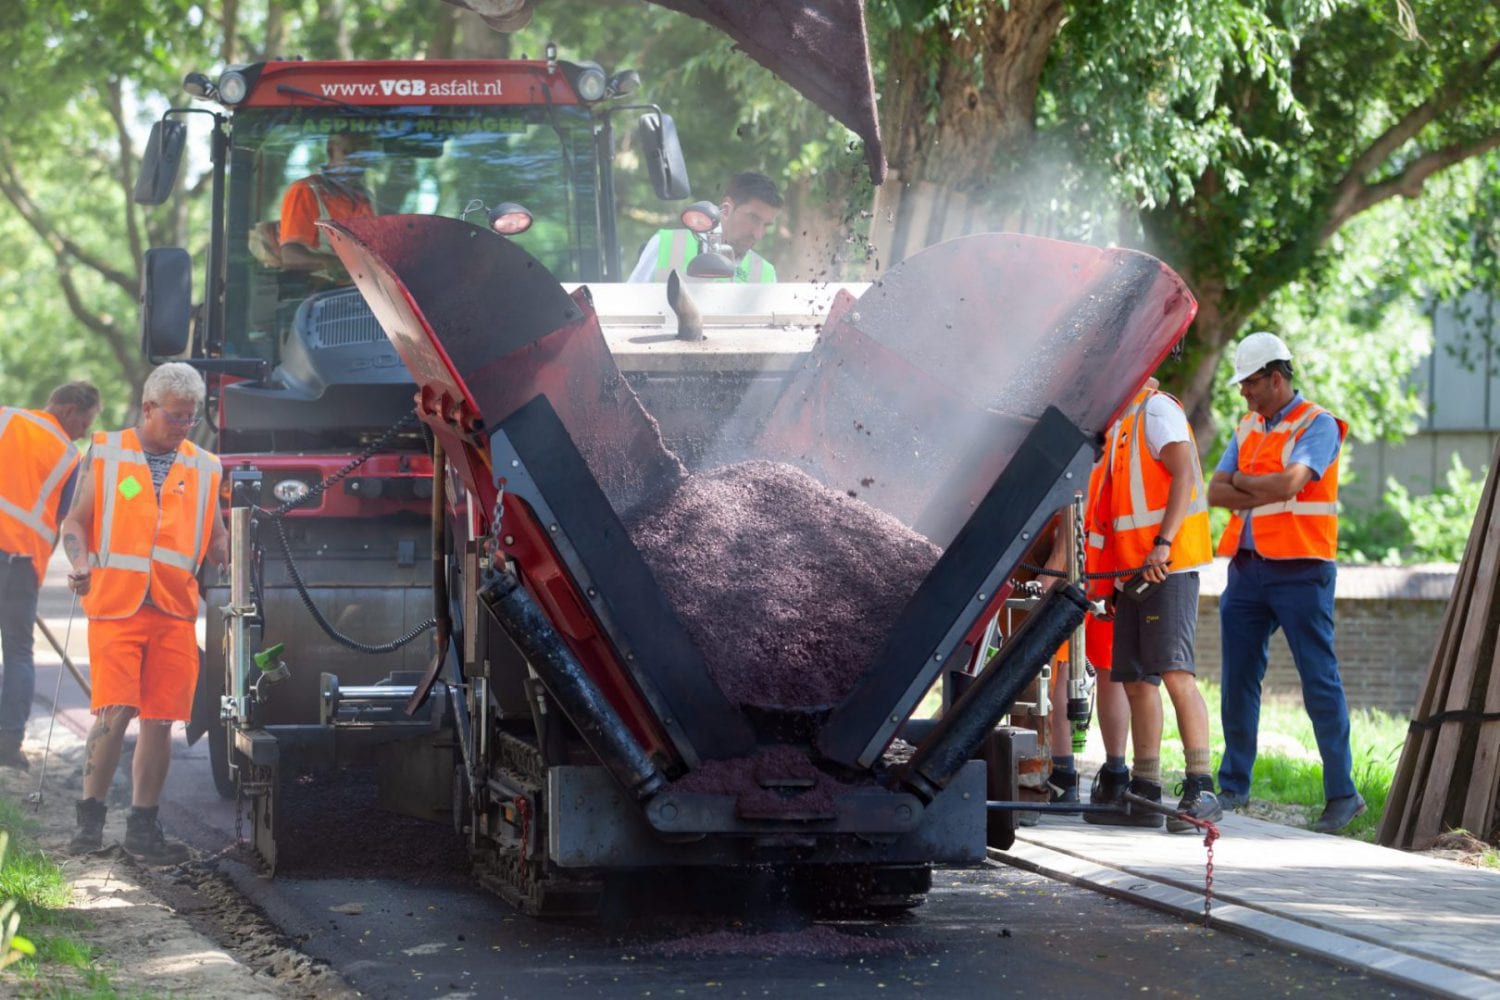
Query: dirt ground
{"points": [[154, 932]]}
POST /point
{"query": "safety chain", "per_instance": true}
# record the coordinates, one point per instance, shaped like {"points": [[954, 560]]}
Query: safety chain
{"points": [[1210, 834], [385, 438], [523, 811]]}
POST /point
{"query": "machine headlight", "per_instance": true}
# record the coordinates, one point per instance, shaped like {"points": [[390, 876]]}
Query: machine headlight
{"points": [[233, 87], [289, 490]]}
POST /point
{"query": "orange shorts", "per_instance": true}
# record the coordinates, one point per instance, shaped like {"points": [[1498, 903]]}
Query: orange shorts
{"points": [[148, 662], [1099, 642]]}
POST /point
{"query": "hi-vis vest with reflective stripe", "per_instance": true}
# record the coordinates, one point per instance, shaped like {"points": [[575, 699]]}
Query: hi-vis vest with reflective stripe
{"points": [[675, 247], [1136, 502], [37, 458], [141, 544], [1304, 527]]}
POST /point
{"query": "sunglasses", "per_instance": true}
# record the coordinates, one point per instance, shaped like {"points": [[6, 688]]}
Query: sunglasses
{"points": [[177, 420]]}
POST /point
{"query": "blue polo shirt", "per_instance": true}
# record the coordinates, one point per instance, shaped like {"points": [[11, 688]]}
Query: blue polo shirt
{"points": [[1317, 449]]}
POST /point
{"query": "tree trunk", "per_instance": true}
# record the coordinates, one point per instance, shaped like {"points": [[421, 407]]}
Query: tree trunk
{"points": [[951, 128]]}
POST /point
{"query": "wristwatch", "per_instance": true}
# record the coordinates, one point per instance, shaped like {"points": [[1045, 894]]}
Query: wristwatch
{"points": [[1161, 540]]}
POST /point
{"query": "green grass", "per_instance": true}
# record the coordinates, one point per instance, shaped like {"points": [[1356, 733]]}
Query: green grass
{"points": [[42, 896], [1288, 769]]}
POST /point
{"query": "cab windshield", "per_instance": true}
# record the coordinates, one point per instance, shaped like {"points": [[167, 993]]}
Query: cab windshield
{"points": [[435, 160]]}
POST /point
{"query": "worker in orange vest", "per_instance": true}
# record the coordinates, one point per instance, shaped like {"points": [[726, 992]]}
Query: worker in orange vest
{"points": [[1153, 513], [1279, 477], [146, 518], [40, 463], [1112, 708], [337, 192]]}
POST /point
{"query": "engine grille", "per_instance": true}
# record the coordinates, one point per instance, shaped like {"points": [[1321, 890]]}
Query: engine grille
{"points": [[339, 318]]}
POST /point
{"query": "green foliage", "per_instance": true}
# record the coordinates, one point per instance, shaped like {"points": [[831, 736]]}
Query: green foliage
{"points": [[1432, 527], [36, 896]]}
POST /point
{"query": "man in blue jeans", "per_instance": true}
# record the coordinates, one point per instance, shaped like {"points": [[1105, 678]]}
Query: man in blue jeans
{"points": [[1280, 477], [39, 463]]}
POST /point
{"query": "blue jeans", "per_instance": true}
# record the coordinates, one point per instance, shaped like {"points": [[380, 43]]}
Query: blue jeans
{"points": [[18, 596], [1297, 596]]}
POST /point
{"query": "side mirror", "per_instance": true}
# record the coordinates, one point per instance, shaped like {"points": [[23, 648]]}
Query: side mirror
{"points": [[663, 155], [160, 161], [166, 302]]}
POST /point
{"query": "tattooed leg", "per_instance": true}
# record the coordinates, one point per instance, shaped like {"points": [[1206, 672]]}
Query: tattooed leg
{"points": [[101, 752]]}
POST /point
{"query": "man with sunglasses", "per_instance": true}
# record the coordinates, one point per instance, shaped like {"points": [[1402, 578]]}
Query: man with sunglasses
{"points": [[1279, 478], [146, 518]]}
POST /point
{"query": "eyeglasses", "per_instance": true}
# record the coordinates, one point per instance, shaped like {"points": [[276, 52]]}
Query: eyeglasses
{"points": [[1254, 379], [177, 419]]}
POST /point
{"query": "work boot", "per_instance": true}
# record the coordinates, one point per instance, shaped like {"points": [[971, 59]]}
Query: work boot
{"points": [[90, 833], [1198, 801], [1109, 785], [1339, 813], [1134, 815], [1062, 785], [11, 755], [145, 841]]}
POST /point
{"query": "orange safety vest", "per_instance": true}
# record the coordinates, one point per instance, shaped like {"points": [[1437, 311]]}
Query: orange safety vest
{"points": [[1304, 527], [37, 458], [1136, 497], [1097, 557], [142, 544]]}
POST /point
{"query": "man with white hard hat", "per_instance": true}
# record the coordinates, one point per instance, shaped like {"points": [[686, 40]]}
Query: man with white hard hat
{"points": [[1279, 477]]}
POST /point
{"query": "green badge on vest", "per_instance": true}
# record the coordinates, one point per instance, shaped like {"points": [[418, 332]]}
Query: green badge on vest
{"points": [[129, 487]]}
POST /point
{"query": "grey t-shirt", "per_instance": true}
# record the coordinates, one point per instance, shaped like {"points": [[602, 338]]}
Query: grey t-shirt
{"points": [[161, 464]]}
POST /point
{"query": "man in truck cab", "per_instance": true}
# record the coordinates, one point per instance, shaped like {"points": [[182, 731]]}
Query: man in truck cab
{"points": [[746, 213], [336, 192]]}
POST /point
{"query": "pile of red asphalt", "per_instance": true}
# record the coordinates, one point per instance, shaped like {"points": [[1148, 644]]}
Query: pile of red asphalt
{"points": [[786, 586]]}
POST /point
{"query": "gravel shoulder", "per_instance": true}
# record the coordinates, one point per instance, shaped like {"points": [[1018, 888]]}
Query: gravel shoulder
{"points": [[155, 932]]}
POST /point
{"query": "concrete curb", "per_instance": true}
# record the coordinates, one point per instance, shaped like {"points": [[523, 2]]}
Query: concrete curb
{"points": [[1381, 960]]}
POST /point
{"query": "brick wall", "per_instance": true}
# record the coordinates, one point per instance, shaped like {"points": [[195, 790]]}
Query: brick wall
{"points": [[1386, 622]]}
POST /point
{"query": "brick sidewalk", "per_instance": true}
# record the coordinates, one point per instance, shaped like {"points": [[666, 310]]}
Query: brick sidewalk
{"points": [[1425, 922]]}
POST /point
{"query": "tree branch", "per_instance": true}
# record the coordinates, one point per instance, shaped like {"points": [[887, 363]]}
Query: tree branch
{"points": [[1408, 183], [1350, 188], [62, 247], [125, 171], [119, 344]]}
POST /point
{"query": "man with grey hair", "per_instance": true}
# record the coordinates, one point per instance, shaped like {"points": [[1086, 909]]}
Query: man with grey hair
{"points": [[146, 518], [40, 463]]}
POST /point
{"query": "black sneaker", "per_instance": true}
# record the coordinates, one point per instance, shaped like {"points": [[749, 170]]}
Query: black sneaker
{"points": [[1062, 786], [145, 841], [90, 833], [1198, 801]]}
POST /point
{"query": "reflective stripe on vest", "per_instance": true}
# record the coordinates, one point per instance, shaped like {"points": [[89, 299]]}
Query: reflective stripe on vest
{"points": [[1304, 527], [1143, 495], [37, 457], [144, 543], [675, 247]]}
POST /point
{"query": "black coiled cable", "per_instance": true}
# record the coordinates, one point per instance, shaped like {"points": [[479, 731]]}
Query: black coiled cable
{"points": [[277, 518]]}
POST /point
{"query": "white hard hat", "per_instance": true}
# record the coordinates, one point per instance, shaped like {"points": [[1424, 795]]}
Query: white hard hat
{"points": [[1255, 352]]}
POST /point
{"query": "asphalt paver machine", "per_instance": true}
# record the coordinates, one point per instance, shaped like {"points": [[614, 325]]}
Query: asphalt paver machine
{"points": [[591, 586]]}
